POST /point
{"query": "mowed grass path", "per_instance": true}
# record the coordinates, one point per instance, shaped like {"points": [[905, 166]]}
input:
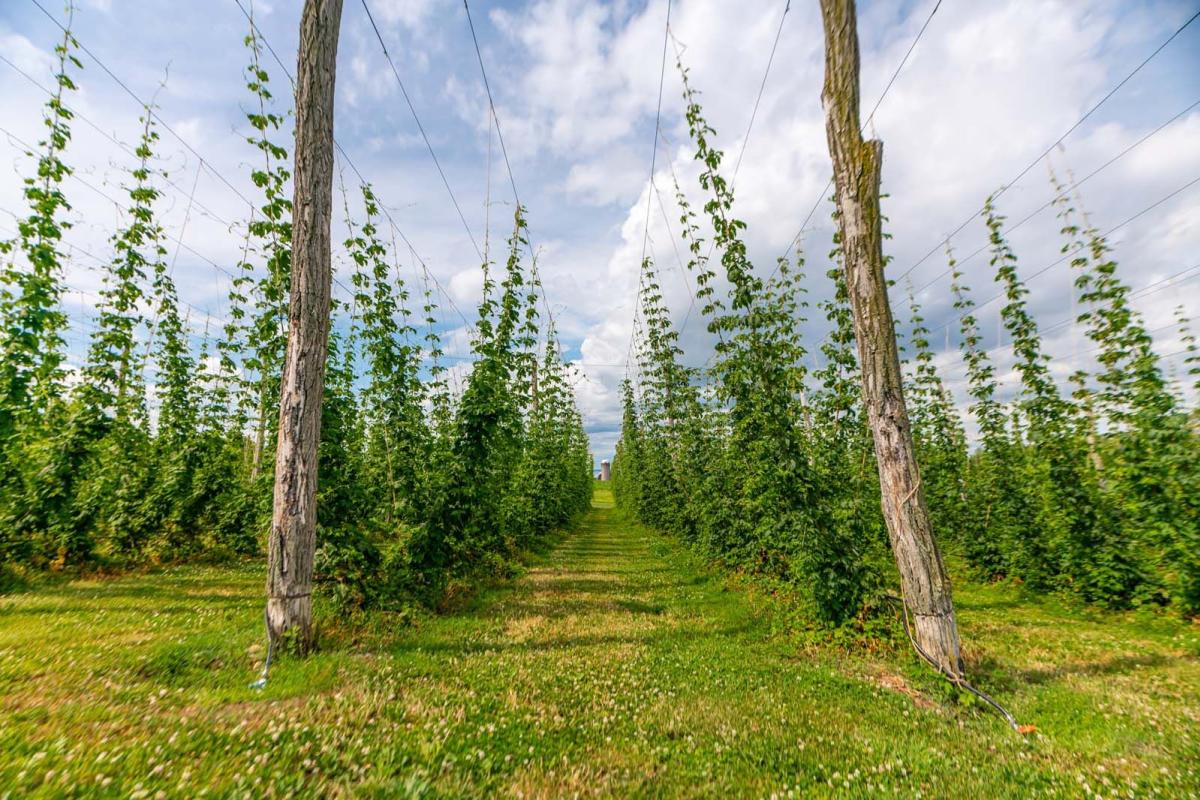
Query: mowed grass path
{"points": [[617, 666]]}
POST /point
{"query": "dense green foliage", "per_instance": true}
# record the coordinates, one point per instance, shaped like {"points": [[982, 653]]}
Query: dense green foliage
{"points": [[145, 452], [767, 470], [768, 466]]}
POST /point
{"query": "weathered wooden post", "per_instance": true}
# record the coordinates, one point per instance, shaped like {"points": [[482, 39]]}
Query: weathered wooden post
{"points": [[294, 515], [856, 168]]}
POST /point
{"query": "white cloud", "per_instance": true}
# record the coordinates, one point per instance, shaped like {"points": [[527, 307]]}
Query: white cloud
{"points": [[28, 57], [987, 90], [409, 13], [989, 87], [608, 180]]}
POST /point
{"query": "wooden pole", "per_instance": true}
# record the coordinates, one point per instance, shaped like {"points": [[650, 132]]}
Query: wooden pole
{"points": [[294, 517], [856, 168]]}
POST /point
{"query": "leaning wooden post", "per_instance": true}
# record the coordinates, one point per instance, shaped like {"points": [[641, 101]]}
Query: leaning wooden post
{"points": [[856, 167], [294, 515]]}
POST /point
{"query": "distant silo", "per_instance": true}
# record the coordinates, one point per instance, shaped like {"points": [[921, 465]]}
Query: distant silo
{"points": [[605, 470]]}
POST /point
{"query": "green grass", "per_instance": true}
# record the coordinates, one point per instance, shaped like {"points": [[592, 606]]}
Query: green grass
{"points": [[616, 666]]}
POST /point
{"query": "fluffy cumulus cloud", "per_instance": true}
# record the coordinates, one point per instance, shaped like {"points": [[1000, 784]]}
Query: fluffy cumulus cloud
{"points": [[989, 87], [410, 13]]}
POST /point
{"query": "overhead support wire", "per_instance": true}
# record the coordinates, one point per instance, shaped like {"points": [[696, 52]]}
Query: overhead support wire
{"points": [[150, 110], [507, 164], [76, 114], [1170, 282], [354, 168], [742, 151], [118, 204], [1025, 170], [417, 118], [1067, 255], [761, 88], [163, 123], [1067, 191], [662, 73], [870, 117]]}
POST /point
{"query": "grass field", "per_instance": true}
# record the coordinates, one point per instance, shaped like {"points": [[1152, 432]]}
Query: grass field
{"points": [[616, 666]]}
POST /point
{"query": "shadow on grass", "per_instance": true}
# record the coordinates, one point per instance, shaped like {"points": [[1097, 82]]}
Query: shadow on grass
{"points": [[570, 607], [967, 604], [121, 599], [659, 636], [571, 585], [1008, 677]]}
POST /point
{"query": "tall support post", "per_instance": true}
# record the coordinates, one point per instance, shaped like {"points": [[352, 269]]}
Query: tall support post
{"points": [[856, 169], [294, 514]]}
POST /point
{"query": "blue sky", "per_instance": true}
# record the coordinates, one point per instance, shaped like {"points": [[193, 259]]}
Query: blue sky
{"points": [[989, 87]]}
